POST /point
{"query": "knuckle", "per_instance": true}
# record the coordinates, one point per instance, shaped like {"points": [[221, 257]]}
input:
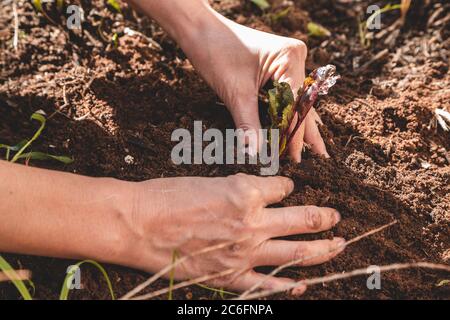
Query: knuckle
{"points": [[297, 47], [299, 255], [313, 217]]}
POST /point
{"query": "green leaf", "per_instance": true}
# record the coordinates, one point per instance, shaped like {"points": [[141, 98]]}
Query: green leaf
{"points": [[59, 4], [37, 5], [443, 283], [280, 14], [115, 40], [281, 100], [281, 109], [115, 5], [70, 275], [262, 4], [45, 156], [316, 30], [20, 285], [172, 275], [220, 291], [38, 116]]}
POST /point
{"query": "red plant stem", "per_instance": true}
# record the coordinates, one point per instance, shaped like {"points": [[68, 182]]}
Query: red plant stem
{"points": [[298, 123]]}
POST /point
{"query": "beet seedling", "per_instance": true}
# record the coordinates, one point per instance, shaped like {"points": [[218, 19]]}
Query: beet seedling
{"points": [[283, 109]]}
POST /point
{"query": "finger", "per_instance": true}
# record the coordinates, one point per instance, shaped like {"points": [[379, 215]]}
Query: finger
{"points": [[246, 118], [251, 278], [279, 222], [313, 136], [305, 253], [273, 189], [296, 143]]}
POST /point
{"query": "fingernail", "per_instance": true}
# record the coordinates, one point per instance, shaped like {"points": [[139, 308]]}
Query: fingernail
{"points": [[337, 216], [340, 242], [299, 290]]}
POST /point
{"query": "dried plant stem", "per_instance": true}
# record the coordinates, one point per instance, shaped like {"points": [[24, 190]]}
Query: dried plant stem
{"points": [[297, 261], [354, 273], [14, 275], [185, 284], [169, 267], [16, 25]]}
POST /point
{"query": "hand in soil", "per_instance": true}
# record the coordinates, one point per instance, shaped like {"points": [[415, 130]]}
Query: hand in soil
{"points": [[236, 61], [166, 217]]}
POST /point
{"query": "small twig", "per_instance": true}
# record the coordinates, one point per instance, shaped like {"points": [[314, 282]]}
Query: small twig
{"points": [[66, 103], [185, 284], [354, 273], [297, 261], [16, 25], [169, 267], [14, 275]]}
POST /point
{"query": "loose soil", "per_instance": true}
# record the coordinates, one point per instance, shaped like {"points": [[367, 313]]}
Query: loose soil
{"points": [[389, 158]]}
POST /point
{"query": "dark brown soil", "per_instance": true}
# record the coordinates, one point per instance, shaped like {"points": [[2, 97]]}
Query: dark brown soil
{"points": [[390, 160]]}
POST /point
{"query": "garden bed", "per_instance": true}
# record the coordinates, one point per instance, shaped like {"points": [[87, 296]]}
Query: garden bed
{"points": [[117, 108]]}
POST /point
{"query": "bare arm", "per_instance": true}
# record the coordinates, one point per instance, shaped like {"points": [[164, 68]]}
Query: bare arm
{"points": [[62, 215]]}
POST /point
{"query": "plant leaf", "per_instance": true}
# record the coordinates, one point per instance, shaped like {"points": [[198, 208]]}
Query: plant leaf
{"points": [[316, 30], [443, 283], [262, 4], [281, 109], [45, 156], [20, 285], [69, 278], [38, 116], [280, 14], [59, 4], [115, 40], [115, 5], [37, 5]]}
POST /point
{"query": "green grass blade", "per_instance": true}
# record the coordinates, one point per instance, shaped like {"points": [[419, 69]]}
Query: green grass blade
{"points": [[45, 156], [172, 275], [386, 8], [69, 278], [38, 117], [38, 5], [59, 4], [115, 5], [20, 285], [221, 292], [262, 4]]}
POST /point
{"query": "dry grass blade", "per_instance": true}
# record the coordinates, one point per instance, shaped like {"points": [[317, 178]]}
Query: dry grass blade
{"points": [[354, 273], [16, 25], [15, 275], [442, 117], [297, 261], [185, 284], [169, 267]]}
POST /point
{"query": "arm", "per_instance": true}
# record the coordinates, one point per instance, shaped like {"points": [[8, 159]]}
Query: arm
{"points": [[237, 61], [141, 224], [63, 215]]}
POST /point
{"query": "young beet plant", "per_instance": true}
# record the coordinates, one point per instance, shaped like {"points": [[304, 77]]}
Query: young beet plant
{"points": [[283, 109], [20, 148]]}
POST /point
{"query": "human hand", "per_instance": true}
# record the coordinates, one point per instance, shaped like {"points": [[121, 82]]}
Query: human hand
{"points": [[237, 61], [165, 218]]}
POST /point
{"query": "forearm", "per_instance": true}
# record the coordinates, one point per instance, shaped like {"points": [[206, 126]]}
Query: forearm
{"points": [[181, 19], [62, 215]]}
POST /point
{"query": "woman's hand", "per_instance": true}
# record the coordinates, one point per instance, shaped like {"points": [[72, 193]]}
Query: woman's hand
{"points": [[191, 213], [237, 61]]}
